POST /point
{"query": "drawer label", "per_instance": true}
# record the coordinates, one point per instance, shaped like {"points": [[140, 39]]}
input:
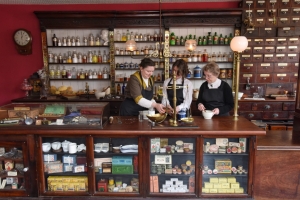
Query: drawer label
{"points": [[282, 64], [258, 40], [296, 9], [292, 55], [257, 55], [269, 47], [281, 47], [281, 74], [295, 19], [293, 39], [296, 74], [265, 64], [284, 10], [283, 19], [281, 39], [269, 55], [249, 40], [286, 28], [270, 40], [273, 1], [260, 11], [268, 29], [285, 0], [245, 56], [248, 11], [259, 20], [249, 2], [248, 65], [257, 47], [279, 55], [261, 2], [264, 75], [247, 75], [292, 47]]}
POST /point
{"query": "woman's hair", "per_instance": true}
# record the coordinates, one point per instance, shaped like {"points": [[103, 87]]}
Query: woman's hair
{"points": [[146, 62], [212, 68], [182, 67]]}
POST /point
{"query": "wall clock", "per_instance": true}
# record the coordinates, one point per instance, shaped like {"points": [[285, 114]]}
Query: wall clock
{"points": [[23, 41]]}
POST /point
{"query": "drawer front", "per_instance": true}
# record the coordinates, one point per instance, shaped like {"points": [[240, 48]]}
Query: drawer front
{"points": [[270, 41], [280, 115], [251, 115], [294, 67], [269, 49], [292, 49], [259, 49], [293, 41], [248, 50], [280, 57], [115, 107], [245, 76], [290, 106], [296, 10], [282, 67], [244, 106], [260, 22], [294, 77], [257, 58], [259, 13], [267, 32], [292, 57], [267, 106], [269, 57], [246, 58], [282, 41], [281, 78], [281, 49], [278, 88], [284, 12], [264, 78], [248, 67], [286, 31], [265, 67], [284, 21]]}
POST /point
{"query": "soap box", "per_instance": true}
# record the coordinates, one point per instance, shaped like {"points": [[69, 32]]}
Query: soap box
{"points": [[69, 159], [46, 164], [223, 166], [122, 169], [68, 167], [243, 143], [122, 160], [55, 168], [50, 157]]}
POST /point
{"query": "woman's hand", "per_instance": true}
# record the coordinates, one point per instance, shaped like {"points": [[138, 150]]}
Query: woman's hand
{"points": [[216, 111], [201, 107], [160, 108]]}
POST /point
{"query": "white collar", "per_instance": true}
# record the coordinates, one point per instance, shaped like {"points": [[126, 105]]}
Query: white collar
{"points": [[215, 84]]}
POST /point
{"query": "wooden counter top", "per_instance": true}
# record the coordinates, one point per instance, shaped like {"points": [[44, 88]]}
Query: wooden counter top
{"points": [[131, 126], [278, 140]]}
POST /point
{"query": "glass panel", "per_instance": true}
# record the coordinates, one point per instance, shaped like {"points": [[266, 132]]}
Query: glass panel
{"points": [[65, 164], [172, 165], [225, 165], [12, 167], [116, 165]]}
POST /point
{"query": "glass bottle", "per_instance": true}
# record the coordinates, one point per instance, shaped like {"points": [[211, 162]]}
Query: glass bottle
{"points": [[55, 58], [77, 41], [213, 57], [79, 58], [69, 41], [54, 41], [60, 58], [220, 57], [100, 74], [58, 72], [52, 72], [158, 77], [65, 58], [156, 36], [90, 74], [216, 39], [85, 41], [64, 72], [177, 41], [74, 73], [81, 74], [84, 58], [230, 38], [91, 40], [90, 57], [118, 89], [74, 57], [136, 37], [73, 43], [200, 58], [124, 38], [69, 74], [127, 35], [59, 43], [95, 57], [172, 39], [118, 36], [204, 40], [209, 39], [64, 41], [150, 50], [205, 56], [97, 41], [123, 89], [104, 58], [181, 41], [221, 39], [99, 57], [200, 41], [226, 41], [105, 73]]}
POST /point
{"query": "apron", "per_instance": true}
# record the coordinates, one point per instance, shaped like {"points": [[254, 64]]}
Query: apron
{"points": [[179, 93], [213, 98], [130, 108]]}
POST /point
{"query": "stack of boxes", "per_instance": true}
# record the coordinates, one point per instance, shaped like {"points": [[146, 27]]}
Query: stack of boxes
{"points": [[222, 185], [122, 165]]}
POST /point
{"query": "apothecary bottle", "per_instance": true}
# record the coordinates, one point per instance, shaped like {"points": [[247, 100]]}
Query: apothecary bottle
{"points": [[77, 41], [91, 40], [104, 58], [69, 41], [90, 57], [118, 36], [79, 58], [216, 38], [204, 40], [54, 40], [221, 39], [50, 57], [124, 37], [99, 57], [69, 74], [73, 42], [57, 72], [85, 41], [226, 41], [95, 57], [105, 73], [51, 72], [64, 41], [205, 56], [55, 58], [74, 57], [209, 39]]}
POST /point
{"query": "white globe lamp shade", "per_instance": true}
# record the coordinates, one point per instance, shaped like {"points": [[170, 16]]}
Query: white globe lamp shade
{"points": [[239, 43], [130, 45]]}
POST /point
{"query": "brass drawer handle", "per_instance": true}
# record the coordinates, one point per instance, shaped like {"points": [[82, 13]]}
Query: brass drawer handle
{"points": [[250, 115], [267, 107]]}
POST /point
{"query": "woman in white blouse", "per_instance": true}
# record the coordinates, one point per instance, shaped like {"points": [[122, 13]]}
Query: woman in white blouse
{"points": [[183, 93]]}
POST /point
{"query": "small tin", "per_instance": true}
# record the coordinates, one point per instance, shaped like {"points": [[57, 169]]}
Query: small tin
{"points": [[14, 186], [222, 73]]}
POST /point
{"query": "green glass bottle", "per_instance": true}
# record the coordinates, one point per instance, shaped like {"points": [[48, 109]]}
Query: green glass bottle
{"points": [[204, 40], [209, 39], [216, 39], [181, 41], [226, 40], [190, 37], [230, 38], [200, 42], [221, 39], [177, 41], [172, 39]]}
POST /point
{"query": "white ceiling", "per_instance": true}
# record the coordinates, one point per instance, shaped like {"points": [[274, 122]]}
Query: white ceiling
{"points": [[53, 2]]}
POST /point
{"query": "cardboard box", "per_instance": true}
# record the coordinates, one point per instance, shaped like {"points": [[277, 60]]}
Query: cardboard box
{"points": [[222, 191], [213, 190], [217, 185], [155, 145], [208, 185], [78, 168], [213, 179], [235, 185], [69, 159], [205, 190], [223, 166], [122, 169], [50, 157], [55, 168], [222, 180], [155, 184], [122, 160], [46, 164], [225, 185], [151, 184], [231, 179], [243, 144], [68, 167], [230, 190], [239, 190]]}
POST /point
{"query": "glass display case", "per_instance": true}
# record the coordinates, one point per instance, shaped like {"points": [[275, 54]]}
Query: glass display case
{"points": [[116, 166], [172, 166], [225, 166]]}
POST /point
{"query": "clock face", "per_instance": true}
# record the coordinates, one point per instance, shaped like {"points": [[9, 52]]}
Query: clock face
{"points": [[22, 37]]}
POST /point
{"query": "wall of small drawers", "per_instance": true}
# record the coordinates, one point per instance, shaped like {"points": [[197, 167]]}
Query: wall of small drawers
{"points": [[272, 57]]}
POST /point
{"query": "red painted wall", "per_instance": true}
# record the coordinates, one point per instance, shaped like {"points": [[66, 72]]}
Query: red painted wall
{"points": [[14, 67]]}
